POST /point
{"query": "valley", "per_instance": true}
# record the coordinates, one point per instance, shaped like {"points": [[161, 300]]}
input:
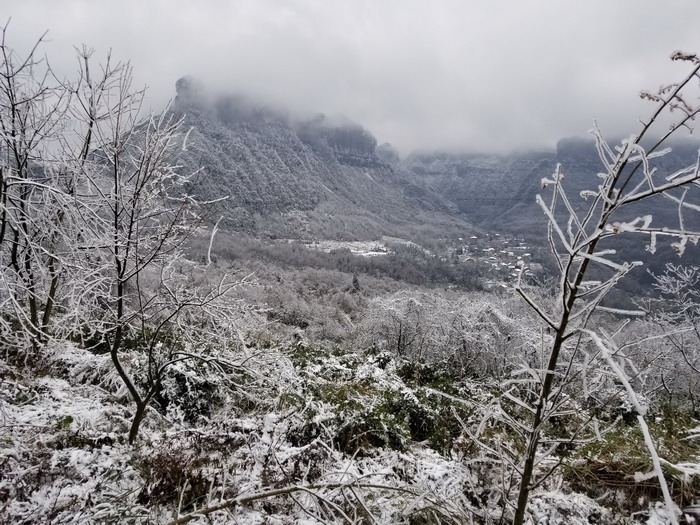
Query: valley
{"points": [[231, 313]]}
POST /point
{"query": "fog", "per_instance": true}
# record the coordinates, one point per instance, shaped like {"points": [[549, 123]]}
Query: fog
{"points": [[453, 75]]}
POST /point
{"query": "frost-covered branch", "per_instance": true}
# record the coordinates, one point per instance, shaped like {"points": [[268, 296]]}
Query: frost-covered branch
{"points": [[576, 247]]}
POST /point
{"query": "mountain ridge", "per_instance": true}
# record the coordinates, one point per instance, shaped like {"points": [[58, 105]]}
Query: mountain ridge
{"points": [[272, 164], [315, 177]]}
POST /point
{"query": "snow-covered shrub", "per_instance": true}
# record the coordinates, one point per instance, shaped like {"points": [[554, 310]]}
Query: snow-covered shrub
{"points": [[617, 470], [478, 336]]}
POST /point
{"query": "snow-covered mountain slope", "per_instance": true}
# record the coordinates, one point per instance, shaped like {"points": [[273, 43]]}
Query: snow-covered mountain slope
{"points": [[319, 177], [498, 191], [269, 163]]}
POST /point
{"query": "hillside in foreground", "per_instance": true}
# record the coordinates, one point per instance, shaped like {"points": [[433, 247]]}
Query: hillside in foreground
{"points": [[304, 433]]}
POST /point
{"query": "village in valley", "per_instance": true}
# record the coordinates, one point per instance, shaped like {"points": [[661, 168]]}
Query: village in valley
{"points": [[499, 259]]}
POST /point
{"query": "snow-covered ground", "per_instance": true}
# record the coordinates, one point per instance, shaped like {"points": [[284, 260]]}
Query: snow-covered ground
{"points": [[267, 454]]}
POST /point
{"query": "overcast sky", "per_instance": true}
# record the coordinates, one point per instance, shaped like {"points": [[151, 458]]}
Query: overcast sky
{"points": [[472, 75]]}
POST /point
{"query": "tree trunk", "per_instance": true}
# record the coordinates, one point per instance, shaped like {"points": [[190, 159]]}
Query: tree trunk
{"points": [[136, 422]]}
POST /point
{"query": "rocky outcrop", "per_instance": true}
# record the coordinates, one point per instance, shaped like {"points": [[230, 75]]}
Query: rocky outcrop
{"points": [[269, 162]]}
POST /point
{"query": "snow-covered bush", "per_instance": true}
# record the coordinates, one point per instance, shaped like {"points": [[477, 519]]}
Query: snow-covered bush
{"points": [[478, 335]]}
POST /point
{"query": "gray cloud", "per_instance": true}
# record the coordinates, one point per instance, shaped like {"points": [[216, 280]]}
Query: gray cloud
{"points": [[494, 75]]}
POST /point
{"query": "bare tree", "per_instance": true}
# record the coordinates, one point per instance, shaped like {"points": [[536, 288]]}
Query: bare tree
{"points": [[677, 313], [94, 212], [34, 193], [577, 241], [141, 214]]}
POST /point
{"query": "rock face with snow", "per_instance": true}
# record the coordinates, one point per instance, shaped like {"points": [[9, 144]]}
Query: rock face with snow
{"points": [[490, 190], [269, 162], [482, 187], [499, 193]]}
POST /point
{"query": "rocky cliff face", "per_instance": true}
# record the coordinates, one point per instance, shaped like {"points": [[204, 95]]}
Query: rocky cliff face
{"points": [[271, 164], [499, 191], [482, 187]]}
